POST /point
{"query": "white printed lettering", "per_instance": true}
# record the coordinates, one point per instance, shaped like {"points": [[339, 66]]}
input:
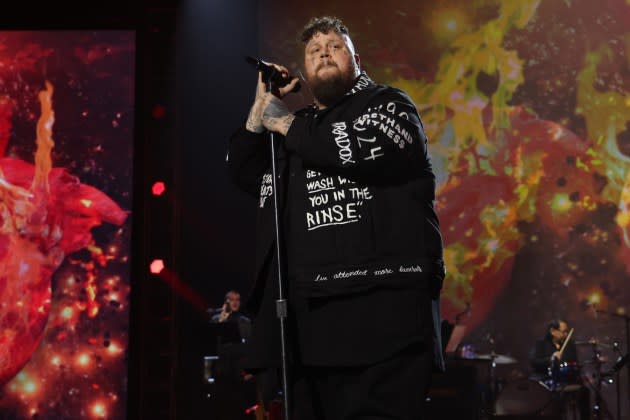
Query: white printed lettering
{"points": [[413, 269], [343, 142], [373, 154], [318, 200]]}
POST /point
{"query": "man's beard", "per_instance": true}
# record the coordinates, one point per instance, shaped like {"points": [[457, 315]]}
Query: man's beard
{"points": [[330, 90]]}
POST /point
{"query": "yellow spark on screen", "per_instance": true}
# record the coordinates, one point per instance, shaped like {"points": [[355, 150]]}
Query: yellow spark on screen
{"points": [[114, 348], [561, 203], [83, 359], [595, 298], [87, 203], [67, 312], [91, 291], [492, 245], [451, 24], [111, 281], [55, 361], [623, 215], [29, 387], [98, 410], [93, 248], [448, 23]]}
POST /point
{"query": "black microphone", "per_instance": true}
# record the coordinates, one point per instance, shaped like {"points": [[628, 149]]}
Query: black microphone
{"points": [[270, 73], [228, 309]]}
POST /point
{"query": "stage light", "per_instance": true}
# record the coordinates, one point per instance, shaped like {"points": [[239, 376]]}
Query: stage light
{"points": [[158, 112], [251, 409], [157, 266], [158, 188]]}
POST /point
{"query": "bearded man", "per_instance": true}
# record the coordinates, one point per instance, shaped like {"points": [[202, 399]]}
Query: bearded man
{"points": [[362, 247]]}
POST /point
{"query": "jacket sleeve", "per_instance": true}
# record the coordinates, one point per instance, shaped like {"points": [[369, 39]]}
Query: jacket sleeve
{"points": [[381, 141], [538, 358], [247, 159]]}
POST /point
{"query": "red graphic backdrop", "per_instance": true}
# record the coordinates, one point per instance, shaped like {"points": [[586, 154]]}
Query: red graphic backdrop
{"points": [[66, 140]]}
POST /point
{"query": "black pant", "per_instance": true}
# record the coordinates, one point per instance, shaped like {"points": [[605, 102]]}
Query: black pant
{"points": [[395, 388]]}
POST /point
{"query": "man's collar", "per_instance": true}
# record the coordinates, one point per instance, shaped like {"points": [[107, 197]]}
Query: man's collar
{"points": [[362, 82]]}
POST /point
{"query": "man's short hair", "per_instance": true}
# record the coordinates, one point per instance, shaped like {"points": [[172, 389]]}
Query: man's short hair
{"points": [[324, 25], [555, 323], [230, 292]]}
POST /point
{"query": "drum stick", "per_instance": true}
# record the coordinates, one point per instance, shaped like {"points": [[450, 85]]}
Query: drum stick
{"points": [[564, 345]]}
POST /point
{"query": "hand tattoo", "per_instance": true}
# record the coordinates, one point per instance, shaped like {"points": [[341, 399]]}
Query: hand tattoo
{"points": [[254, 120], [285, 124], [274, 108], [276, 116]]}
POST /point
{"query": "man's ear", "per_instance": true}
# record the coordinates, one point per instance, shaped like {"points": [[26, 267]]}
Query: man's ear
{"points": [[357, 59]]}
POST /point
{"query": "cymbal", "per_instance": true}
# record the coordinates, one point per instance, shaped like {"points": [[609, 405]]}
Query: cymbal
{"points": [[592, 342], [600, 359], [499, 359]]}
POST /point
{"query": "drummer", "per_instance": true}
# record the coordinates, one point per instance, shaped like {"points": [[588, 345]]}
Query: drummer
{"points": [[548, 349], [550, 352]]}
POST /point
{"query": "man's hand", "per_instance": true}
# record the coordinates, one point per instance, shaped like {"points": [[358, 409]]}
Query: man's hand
{"points": [[223, 316], [276, 115], [268, 110], [555, 355]]}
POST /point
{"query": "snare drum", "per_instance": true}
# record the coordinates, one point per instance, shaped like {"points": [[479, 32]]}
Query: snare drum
{"points": [[564, 375], [569, 373]]}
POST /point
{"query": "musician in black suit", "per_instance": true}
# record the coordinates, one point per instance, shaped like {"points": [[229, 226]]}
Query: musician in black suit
{"points": [[231, 312], [547, 349], [554, 362]]}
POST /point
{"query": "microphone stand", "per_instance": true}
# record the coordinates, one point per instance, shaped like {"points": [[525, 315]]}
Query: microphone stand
{"points": [[281, 302], [626, 319], [616, 370]]}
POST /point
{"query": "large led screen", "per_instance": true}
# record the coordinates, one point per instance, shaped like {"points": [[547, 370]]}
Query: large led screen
{"points": [[527, 109], [66, 145]]}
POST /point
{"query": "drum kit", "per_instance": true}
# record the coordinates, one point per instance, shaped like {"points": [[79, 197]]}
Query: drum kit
{"points": [[560, 393]]}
